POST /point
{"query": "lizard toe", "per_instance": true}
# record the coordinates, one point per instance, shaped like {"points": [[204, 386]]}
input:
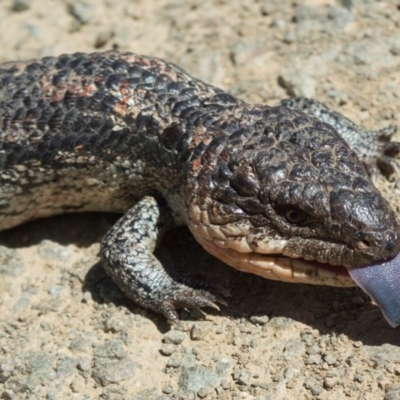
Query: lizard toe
{"points": [[186, 297], [391, 149], [387, 165]]}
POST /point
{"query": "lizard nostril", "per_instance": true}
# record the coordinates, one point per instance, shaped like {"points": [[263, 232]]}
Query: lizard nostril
{"points": [[380, 243], [364, 241], [363, 244]]}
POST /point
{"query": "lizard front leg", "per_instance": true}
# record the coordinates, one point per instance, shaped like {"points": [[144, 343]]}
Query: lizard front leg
{"points": [[127, 255]]}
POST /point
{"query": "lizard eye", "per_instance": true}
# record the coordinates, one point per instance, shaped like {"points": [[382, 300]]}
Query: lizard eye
{"points": [[295, 216]]}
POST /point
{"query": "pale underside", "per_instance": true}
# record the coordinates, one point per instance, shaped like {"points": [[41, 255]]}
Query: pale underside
{"points": [[56, 192]]}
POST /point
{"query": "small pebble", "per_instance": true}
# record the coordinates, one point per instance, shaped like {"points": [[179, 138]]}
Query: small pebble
{"points": [[167, 349], [103, 38], [200, 330], [174, 362], [82, 11], [330, 359], [20, 5], [202, 393], [173, 336], [330, 382], [259, 319]]}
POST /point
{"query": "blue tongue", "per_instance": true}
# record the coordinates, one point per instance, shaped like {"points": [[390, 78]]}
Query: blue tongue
{"points": [[381, 281]]}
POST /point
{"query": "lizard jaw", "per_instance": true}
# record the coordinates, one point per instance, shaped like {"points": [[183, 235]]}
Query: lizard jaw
{"points": [[380, 280], [281, 268]]}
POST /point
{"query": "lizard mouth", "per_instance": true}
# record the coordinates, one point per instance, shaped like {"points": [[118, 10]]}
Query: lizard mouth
{"points": [[380, 280], [280, 267]]}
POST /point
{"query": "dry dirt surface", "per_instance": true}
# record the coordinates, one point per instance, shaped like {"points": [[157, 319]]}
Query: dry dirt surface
{"points": [[67, 332]]}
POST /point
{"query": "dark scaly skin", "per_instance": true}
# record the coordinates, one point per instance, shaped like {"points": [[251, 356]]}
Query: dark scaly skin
{"points": [[373, 147], [133, 134]]}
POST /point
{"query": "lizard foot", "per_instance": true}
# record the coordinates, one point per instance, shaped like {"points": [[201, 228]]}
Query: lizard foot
{"points": [[181, 296], [389, 150]]}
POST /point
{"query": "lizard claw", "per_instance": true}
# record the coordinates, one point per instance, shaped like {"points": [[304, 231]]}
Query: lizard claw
{"points": [[382, 157], [186, 297], [391, 149], [385, 134], [387, 164], [385, 161]]}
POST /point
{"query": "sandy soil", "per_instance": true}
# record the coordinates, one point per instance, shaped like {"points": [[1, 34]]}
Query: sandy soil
{"points": [[67, 332]]}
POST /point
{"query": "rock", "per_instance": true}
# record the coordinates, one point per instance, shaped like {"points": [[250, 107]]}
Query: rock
{"points": [[385, 352], [222, 367], [259, 319], [113, 349], [242, 377], [103, 38], [82, 11], [174, 362], [107, 372], [11, 263], [167, 349], [392, 392], [6, 368], [293, 348], [81, 345], [312, 385], [200, 330], [66, 367], [331, 382], [197, 377], [330, 359], [20, 5], [378, 51], [40, 365], [117, 323], [313, 359], [148, 394], [175, 337]]}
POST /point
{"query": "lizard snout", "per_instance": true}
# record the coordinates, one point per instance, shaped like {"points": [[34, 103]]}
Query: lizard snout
{"points": [[381, 245]]}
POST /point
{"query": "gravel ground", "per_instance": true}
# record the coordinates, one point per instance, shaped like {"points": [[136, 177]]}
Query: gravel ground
{"points": [[67, 332]]}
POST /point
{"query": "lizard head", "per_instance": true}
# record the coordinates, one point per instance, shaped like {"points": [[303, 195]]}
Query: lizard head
{"points": [[287, 199]]}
